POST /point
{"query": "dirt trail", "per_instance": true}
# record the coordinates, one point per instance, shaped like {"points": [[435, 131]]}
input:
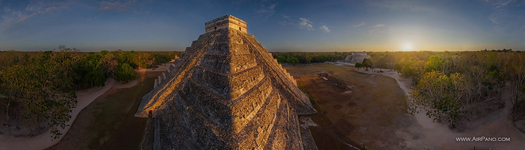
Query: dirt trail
{"points": [[423, 133], [162, 67]]}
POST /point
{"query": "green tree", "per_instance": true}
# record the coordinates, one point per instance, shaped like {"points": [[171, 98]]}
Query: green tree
{"points": [[292, 60], [379, 62], [104, 52], [90, 71], [358, 65], [434, 63], [124, 72], [43, 89], [281, 59], [440, 96], [367, 63]]}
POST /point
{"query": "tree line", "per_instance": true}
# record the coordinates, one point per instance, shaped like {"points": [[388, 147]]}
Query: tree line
{"points": [[306, 58], [452, 85], [37, 89]]}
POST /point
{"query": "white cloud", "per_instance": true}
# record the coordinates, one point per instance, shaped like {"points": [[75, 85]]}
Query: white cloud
{"points": [[324, 29], [305, 24], [402, 5], [12, 17], [359, 24], [504, 19], [269, 9], [498, 4], [379, 29], [494, 18], [125, 6], [286, 20], [117, 5], [379, 25], [501, 3]]}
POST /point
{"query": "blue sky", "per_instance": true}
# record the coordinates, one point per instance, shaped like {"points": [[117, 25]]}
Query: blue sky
{"points": [[293, 25]]}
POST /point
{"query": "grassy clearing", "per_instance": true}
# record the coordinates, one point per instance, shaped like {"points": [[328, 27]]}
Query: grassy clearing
{"points": [[108, 122], [368, 115]]}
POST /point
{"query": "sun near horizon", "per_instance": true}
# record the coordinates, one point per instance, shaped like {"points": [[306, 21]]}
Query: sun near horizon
{"points": [[407, 46]]}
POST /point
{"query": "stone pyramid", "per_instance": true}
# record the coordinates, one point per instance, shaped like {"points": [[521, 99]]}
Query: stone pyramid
{"points": [[225, 92]]}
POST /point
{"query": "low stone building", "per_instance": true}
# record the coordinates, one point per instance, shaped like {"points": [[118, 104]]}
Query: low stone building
{"points": [[357, 57], [226, 92]]}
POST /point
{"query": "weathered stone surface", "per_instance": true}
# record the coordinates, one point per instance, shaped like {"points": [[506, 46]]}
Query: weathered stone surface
{"points": [[225, 92], [223, 22]]}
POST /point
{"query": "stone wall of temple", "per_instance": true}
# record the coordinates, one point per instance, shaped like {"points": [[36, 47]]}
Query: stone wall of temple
{"points": [[227, 21]]}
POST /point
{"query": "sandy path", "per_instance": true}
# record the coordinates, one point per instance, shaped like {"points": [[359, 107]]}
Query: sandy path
{"points": [[44, 140], [162, 67], [342, 63], [426, 134], [404, 84]]}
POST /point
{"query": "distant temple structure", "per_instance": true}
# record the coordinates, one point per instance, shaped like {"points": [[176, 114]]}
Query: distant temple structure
{"points": [[225, 92], [357, 57]]}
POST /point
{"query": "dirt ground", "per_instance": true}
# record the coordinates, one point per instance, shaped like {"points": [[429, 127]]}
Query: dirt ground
{"points": [[365, 115], [109, 122], [372, 115]]}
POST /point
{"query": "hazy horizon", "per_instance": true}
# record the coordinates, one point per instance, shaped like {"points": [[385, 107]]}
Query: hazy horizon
{"points": [[281, 26]]}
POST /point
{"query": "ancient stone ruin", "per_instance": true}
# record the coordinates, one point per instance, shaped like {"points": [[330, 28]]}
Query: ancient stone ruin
{"points": [[225, 92], [357, 57]]}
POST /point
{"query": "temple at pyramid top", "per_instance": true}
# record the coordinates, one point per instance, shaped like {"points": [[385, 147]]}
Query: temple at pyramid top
{"points": [[227, 21]]}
